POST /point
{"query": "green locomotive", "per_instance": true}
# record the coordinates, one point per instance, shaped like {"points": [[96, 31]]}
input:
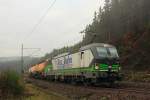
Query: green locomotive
{"points": [[94, 63]]}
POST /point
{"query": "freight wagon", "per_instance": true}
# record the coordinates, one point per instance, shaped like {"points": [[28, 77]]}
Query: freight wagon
{"points": [[94, 63], [39, 70]]}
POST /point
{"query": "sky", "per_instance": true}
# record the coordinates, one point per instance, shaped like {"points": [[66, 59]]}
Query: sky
{"points": [[60, 26]]}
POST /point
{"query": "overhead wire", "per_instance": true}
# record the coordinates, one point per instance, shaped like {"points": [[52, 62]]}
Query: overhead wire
{"points": [[40, 20], [35, 51], [38, 23]]}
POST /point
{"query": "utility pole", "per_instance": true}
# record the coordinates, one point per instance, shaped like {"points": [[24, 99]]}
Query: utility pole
{"points": [[22, 55], [22, 71]]}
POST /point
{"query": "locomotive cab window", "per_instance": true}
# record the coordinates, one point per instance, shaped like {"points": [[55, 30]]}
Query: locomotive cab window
{"points": [[102, 51], [113, 52], [109, 52]]}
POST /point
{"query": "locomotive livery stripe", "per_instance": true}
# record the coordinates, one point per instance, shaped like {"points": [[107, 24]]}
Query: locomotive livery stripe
{"points": [[102, 68]]}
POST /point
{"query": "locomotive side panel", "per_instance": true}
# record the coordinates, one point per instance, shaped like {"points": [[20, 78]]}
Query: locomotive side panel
{"points": [[76, 60], [54, 63], [68, 61], [86, 58], [60, 63]]}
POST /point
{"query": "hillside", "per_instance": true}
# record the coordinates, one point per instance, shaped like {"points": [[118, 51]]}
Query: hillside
{"points": [[15, 63], [135, 53], [123, 23]]}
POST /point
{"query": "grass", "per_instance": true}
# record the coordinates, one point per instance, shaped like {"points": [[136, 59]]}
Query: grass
{"points": [[41, 94], [11, 84], [13, 87], [137, 76]]}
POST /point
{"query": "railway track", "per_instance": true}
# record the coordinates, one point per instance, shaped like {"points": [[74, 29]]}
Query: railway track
{"points": [[93, 92]]}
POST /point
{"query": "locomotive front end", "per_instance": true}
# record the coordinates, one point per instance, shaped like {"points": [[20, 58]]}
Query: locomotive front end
{"points": [[106, 63]]}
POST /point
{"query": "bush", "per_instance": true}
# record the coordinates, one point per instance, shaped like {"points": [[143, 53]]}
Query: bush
{"points": [[11, 83]]}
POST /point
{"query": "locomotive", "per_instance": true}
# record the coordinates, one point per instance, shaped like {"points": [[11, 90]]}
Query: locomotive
{"points": [[94, 63]]}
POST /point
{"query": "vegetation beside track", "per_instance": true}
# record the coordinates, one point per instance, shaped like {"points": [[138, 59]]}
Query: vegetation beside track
{"points": [[77, 92], [133, 76], [11, 85], [37, 93]]}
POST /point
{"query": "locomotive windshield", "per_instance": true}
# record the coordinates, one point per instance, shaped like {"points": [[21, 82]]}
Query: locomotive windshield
{"points": [[109, 52]]}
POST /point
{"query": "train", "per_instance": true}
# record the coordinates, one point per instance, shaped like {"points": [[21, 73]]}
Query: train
{"points": [[92, 64]]}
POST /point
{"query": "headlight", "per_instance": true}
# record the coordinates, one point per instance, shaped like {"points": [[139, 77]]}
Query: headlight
{"points": [[119, 68], [109, 66], [96, 66]]}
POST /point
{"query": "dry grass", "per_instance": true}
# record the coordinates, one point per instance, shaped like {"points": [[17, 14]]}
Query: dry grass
{"points": [[11, 84], [137, 76], [40, 94]]}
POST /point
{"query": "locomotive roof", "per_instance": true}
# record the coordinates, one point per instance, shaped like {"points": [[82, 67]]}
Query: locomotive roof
{"points": [[86, 47], [95, 45], [61, 55]]}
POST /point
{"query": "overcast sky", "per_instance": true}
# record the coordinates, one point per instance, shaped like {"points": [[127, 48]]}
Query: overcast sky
{"points": [[60, 27]]}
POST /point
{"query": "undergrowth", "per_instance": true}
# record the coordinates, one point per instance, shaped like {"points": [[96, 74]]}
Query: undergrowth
{"points": [[11, 84]]}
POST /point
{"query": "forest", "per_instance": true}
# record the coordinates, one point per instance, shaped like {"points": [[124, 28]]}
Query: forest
{"points": [[123, 23]]}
